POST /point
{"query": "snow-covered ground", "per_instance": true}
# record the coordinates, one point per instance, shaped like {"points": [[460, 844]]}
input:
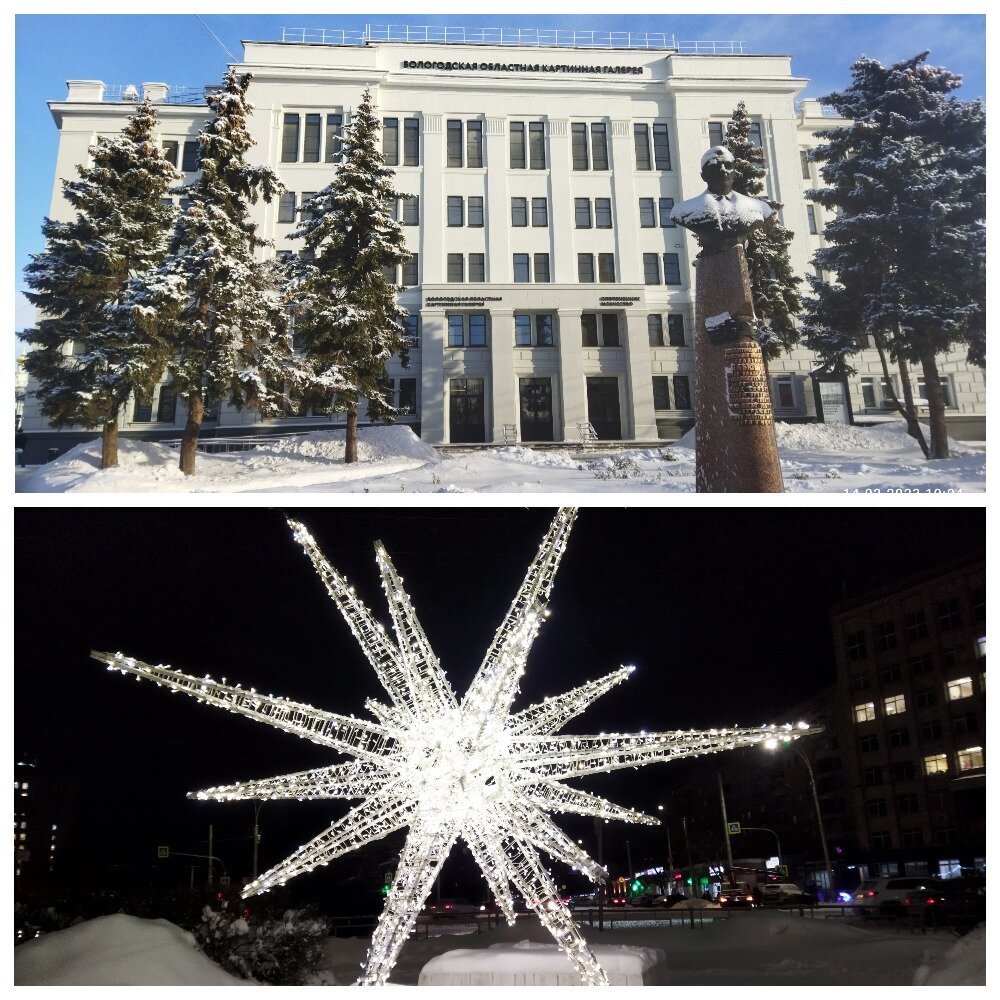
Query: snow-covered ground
{"points": [[763, 948], [824, 458]]}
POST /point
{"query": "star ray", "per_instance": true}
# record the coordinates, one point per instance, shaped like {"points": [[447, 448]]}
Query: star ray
{"points": [[351, 780], [552, 714], [556, 797]]}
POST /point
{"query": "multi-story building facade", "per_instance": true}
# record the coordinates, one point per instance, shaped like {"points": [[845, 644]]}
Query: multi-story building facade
{"points": [[548, 287], [911, 683]]}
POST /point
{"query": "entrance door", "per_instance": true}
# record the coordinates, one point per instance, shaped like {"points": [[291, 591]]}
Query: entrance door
{"points": [[603, 408], [467, 411], [536, 409]]}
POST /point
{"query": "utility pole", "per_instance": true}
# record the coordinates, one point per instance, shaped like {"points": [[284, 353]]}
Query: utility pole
{"points": [[687, 844], [822, 832], [211, 870], [725, 827]]}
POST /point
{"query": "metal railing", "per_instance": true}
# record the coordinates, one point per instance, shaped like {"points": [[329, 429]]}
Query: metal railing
{"points": [[175, 95], [528, 37]]}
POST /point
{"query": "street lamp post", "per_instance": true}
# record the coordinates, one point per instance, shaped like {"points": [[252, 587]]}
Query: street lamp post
{"points": [[725, 826]]}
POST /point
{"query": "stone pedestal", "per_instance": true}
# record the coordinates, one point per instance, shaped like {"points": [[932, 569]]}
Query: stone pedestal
{"points": [[735, 448]]}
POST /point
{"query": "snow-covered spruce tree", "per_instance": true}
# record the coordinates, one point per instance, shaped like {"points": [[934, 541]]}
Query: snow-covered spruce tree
{"points": [[908, 180], [773, 283], [212, 301], [346, 316], [86, 361]]}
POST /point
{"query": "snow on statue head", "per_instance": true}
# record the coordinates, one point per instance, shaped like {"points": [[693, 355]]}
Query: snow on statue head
{"points": [[447, 768], [720, 218]]}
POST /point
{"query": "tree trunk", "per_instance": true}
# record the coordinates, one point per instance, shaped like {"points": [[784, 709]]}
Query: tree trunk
{"points": [[351, 444], [189, 441], [109, 444], [908, 412], [935, 405]]}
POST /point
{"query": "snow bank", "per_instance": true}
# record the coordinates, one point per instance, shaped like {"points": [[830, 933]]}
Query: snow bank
{"points": [[118, 950], [531, 963], [964, 965], [375, 444]]}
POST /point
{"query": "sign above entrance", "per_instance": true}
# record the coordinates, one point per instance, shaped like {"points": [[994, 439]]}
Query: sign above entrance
{"points": [[497, 67], [461, 300], [618, 300]]}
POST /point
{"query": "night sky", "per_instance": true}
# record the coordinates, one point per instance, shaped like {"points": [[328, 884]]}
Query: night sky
{"points": [[725, 613]]}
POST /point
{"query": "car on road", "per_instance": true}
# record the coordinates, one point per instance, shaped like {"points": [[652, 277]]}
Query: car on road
{"points": [[736, 894], [884, 896], [450, 909], [785, 894]]}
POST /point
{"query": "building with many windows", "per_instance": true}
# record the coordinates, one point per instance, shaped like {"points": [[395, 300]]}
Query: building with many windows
{"points": [[548, 288]]}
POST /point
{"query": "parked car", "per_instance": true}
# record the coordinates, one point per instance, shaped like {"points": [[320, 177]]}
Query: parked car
{"points": [[884, 896], [736, 894], [957, 901], [583, 901], [785, 894], [450, 909]]}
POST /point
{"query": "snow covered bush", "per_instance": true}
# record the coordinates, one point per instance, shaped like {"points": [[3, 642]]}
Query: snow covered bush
{"points": [[281, 950]]}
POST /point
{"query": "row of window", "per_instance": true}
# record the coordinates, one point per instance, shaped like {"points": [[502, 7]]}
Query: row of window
{"points": [[930, 731], [876, 394], [947, 613], [895, 704], [969, 759]]}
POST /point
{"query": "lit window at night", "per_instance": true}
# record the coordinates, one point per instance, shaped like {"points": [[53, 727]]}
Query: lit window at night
{"points": [[936, 764], [865, 712], [971, 759], [895, 705], [961, 687]]}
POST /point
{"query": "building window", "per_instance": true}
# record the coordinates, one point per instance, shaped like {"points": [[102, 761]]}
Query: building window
{"points": [[599, 145], [647, 214], [289, 139], [671, 269], [389, 274], [971, 759], [411, 328], [454, 143], [477, 329], [651, 268], [477, 267], [930, 731], [783, 391], [804, 161], [857, 646], [542, 273], [171, 147], [977, 602], [871, 777], [142, 413], [682, 393], [860, 681], [540, 212], [884, 637], [898, 737], [654, 324], [411, 143], [475, 213], [581, 159], [582, 213], [666, 206], [406, 399], [661, 146], [518, 212], [599, 329], [902, 770], [390, 141], [602, 213], [606, 267], [868, 744], [467, 330], [411, 210], [675, 329], [191, 159], [522, 267], [474, 144], [881, 839], [965, 724], [643, 160], [334, 138], [755, 136], [166, 407], [456, 331], [304, 209], [536, 145], [456, 211], [889, 673], [877, 807], [936, 763], [661, 392], [959, 688], [949, 614], [811, 219], [533, 330], [522, 330], [585, 268], [411, 270], [716, 134], [946, 389], [286, 207], [864, 712], [922, 664], [925, 698], [517, 147], [456, 267], [895, 704], [544, 329]]}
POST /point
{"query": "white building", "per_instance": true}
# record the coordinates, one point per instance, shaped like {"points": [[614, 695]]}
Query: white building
{"points": [[547, 288]]}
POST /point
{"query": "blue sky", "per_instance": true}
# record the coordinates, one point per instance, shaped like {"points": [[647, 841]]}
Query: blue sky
{"points": [[177, 49]]}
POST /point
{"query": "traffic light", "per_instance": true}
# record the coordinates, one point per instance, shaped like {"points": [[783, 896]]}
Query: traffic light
{"points": [[637, 886]]}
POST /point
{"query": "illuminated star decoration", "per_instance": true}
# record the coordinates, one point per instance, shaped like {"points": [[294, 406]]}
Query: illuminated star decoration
{"points": [[447, 769]]}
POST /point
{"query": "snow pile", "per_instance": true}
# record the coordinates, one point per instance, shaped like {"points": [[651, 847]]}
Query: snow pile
{"points": [[840, 438], [375, 444], [118, 950], [530, 963], [964, 965], [543, 459]]}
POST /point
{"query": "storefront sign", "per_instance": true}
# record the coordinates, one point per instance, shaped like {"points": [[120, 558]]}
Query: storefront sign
{"points": [[461, 300], [618, 300]]}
